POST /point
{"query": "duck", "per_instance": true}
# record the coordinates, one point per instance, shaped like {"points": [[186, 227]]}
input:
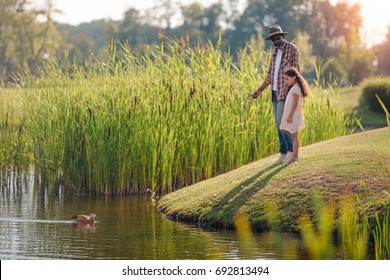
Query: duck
{"points": [[85, 219]]}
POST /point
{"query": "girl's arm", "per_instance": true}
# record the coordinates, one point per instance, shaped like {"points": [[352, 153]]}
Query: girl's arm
{"points": [[293, 108]]}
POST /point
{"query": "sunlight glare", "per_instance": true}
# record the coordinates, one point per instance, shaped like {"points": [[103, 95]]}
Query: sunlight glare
{"points": [[376, 19]]}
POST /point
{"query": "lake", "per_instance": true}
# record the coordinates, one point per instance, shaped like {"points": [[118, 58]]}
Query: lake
{"points": [[34, 225]]}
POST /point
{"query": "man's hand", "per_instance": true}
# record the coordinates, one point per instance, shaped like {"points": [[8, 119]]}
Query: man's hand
{"points": [[255, 94]]}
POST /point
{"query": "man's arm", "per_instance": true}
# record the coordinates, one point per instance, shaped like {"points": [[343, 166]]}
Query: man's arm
{"points": [[257, 92]]}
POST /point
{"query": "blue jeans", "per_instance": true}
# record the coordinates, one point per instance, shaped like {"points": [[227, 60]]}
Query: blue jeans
{"points": [[285, 139]]}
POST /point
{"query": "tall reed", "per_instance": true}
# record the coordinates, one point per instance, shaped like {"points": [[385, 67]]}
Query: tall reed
{"points": [[316, 229], [15, 147], [381, 235], [159, 121], [354, 230]]}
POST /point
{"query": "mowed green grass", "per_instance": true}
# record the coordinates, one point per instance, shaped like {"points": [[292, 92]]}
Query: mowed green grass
{"points": [[357, 165]]}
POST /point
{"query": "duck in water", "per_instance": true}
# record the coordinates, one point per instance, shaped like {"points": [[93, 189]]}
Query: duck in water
{"points": [[85, 219]]}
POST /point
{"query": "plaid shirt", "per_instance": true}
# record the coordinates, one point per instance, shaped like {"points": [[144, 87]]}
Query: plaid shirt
{"points": [[290, 58]]}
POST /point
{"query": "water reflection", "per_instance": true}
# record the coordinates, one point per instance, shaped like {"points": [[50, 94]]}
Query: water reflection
{"points": [[34, 225]]}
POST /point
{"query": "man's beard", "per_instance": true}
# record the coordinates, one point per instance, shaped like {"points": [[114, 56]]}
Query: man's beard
{"points": [[279, 43]]}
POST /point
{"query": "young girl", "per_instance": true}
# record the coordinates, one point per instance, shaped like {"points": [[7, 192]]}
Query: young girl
{"points": [[292, 120]]}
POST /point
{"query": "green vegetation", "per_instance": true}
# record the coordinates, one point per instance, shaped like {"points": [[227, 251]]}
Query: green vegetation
{"points": [[322, 30], [382, 237], [161, 121], [14, 144], [354, 232], [372, 90], [339, 186], [354, 165], [141, 118], [351, 99]]}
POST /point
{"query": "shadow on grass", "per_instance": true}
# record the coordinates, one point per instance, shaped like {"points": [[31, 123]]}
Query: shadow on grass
{"points": [[223, 212]]}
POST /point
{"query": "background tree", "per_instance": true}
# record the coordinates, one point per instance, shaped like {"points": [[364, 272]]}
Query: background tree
{"points": [[112, 31], [134, 31], [257, 41], [25, 40], [161, 15], [8, 10], [308, 59], [355, 58], [319, 27], [338, 20], [383, 55], [242, 28], [82, 41], [195, 22]]}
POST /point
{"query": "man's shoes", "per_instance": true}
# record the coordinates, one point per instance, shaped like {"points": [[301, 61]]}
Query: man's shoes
{"points": [[280, 159], [292, 161], [288, 157]]}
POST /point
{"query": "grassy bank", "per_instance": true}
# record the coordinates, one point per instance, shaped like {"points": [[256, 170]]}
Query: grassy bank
{"points": [[277, 196]]}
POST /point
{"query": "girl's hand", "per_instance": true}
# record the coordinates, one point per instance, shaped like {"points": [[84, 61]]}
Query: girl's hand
{"points": [[289, 119]]}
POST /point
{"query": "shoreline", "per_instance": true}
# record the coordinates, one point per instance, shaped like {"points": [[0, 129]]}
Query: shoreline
{"points": [[270, 196]]}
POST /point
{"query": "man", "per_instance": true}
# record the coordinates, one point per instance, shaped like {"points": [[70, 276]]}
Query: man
{"points": [[283, 56]]}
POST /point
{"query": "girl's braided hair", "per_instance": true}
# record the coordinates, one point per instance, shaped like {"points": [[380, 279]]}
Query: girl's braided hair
{"points": [[293, 72]]}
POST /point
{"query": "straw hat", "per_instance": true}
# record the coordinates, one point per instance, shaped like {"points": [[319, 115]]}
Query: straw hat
{"points": [[275, 30]]}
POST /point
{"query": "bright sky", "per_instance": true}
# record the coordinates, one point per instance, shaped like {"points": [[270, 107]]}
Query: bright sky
{"points": [[375, 12], [77, 11], [376, 19]]}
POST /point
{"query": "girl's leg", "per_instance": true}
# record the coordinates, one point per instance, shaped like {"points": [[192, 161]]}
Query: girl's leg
{"points": [[295, 144]]}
